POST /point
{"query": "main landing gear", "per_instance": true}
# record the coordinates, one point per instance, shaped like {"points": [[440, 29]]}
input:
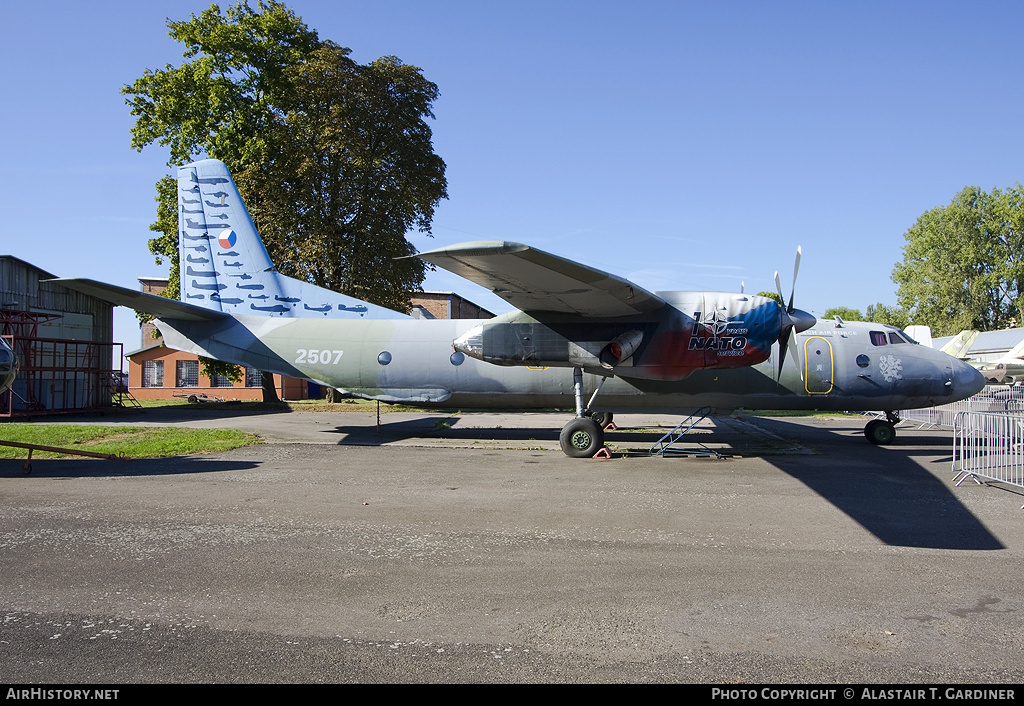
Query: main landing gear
{"points": [[882, 432], [584, 436]]}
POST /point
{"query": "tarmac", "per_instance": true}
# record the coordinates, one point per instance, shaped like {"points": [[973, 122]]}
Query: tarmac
{"points": [[467, 548]]}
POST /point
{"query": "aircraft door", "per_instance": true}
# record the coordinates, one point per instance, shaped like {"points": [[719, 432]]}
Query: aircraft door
{"points": [[819, 366]]}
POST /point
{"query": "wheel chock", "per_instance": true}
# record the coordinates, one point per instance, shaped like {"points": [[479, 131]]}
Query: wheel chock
{"points": [[610, 426], [603, 453]]}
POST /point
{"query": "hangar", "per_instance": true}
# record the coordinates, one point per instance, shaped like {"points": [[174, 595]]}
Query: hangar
{"points": [[64, 343]]}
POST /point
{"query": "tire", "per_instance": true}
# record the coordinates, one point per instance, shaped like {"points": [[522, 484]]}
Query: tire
{"points": [[581, 438], [603, 419], [880, 432]]}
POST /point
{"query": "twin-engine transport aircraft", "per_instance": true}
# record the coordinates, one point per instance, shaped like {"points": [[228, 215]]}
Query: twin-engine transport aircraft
{"points": [[580, 338]]}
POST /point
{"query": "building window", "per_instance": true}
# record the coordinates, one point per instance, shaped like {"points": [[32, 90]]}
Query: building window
{"points": [[220, 381], [187, 373], [253, 378], [152, 373]]}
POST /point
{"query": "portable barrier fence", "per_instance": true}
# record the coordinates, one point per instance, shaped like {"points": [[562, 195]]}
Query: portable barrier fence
{"points": [[994, 398], [989, 445]]}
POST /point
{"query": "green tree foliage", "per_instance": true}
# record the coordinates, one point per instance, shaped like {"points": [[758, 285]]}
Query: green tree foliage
{"points": [[963, 264], [877, 313], [353, 169], [882, 314], [772, 295], [845, 313], [334, 159]]}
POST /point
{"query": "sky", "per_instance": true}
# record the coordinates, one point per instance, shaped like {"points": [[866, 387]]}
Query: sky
{"points": [[682, 145]]}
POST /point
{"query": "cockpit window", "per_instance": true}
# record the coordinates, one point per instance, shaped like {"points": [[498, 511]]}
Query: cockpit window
{"points": [[878, 338], [894, 338]]}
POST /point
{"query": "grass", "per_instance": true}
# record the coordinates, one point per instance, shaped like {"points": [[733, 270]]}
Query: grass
{"points": [[130, 442]]}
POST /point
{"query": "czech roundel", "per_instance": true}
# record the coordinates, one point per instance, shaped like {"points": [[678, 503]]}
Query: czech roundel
{"points": [[227, 239]]}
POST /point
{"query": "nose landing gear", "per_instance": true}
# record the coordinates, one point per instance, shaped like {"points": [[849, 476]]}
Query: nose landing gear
{"points": [[882, 432]]}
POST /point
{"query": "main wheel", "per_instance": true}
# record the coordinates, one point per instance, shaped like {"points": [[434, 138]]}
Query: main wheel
{"points": [[880, 432], [581, 438]]}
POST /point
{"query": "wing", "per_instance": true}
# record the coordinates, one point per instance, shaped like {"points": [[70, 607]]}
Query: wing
{"points": [[140, 301], [533, 280]]}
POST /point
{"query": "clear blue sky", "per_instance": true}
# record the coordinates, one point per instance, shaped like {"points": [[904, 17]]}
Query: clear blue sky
{"points": [[684, 145]]}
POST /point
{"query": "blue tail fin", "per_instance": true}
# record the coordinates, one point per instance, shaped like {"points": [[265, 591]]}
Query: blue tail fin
{"points": [[224, 265]]}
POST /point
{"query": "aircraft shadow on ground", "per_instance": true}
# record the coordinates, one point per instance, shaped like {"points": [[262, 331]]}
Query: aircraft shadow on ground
{"points": [[93, 467], [181, 413], [892, 492], [447, 428]]}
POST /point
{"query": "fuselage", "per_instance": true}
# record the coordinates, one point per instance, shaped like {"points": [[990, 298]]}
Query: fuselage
{"points": [[847, 366]]}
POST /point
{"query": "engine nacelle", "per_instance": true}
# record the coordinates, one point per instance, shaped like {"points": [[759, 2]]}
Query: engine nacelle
{"points": [[621, 348]]}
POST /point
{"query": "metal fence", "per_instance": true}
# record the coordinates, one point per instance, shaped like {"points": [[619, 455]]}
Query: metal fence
{"points": [[994, 398], [989, 445]]}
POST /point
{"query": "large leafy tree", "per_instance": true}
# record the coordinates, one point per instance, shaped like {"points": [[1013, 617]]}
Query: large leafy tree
{"points": [[353, 170], [334, 159], [963, 264]]}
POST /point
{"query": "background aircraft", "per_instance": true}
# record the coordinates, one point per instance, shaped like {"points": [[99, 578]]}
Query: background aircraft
{"points": [[580, 338], [1007, 369], [960, 345]]}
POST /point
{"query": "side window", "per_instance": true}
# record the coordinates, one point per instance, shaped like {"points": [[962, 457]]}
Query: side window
{"points": [[187, 373], [877, 338], [152, 373], [894, 338]]}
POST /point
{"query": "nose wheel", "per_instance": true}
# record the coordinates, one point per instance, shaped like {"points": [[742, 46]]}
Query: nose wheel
{"points": [[882, 432]]}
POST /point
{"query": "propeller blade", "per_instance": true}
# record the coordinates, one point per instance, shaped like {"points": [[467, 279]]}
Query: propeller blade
{"points": [[796, 271], [796, 355], [782, 353], [787, 322]]}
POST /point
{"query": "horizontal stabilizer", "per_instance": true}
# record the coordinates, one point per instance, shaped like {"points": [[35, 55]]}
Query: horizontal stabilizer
{"points": [[140, 301], [535, 281]]}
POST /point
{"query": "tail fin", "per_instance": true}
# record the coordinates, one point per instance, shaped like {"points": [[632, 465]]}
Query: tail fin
{"points": [[960, 344], [224, 266]]}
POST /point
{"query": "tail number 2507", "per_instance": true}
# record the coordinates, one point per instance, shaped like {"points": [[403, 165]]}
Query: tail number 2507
{"points": [[313, 355]]}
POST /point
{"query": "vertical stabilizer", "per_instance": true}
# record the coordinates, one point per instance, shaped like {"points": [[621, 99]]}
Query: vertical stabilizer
{"points": [[960, 345], [225, 267]]}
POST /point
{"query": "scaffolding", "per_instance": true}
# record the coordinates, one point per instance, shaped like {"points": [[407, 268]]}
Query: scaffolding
{"points": [[58, 375]]}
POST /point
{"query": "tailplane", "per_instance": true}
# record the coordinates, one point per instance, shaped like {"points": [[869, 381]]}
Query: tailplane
{"points": [[225, 267]]}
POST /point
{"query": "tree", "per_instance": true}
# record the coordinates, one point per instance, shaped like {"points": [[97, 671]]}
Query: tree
{"points": [[882, 314], [963, 264], [334, 159], [845, 313], [772, 295], [353, 168]]}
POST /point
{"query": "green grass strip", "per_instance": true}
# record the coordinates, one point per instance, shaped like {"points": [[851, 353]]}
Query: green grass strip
{"points": [[130, 442]]}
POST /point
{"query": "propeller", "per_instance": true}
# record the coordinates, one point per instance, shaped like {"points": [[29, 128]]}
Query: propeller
{"points": [[791, 319]]}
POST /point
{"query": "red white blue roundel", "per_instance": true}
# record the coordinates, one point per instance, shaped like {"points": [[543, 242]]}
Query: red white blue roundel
{"points": [[227, 239]]}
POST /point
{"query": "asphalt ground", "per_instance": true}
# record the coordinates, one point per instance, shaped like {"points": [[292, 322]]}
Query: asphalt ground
{"points": [[467, 548]]}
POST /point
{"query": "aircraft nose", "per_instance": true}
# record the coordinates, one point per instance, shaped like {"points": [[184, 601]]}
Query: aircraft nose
{"points": [[966, 380]]}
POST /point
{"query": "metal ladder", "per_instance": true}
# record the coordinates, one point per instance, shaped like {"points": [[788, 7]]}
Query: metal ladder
{"points": [[665, 444]]}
